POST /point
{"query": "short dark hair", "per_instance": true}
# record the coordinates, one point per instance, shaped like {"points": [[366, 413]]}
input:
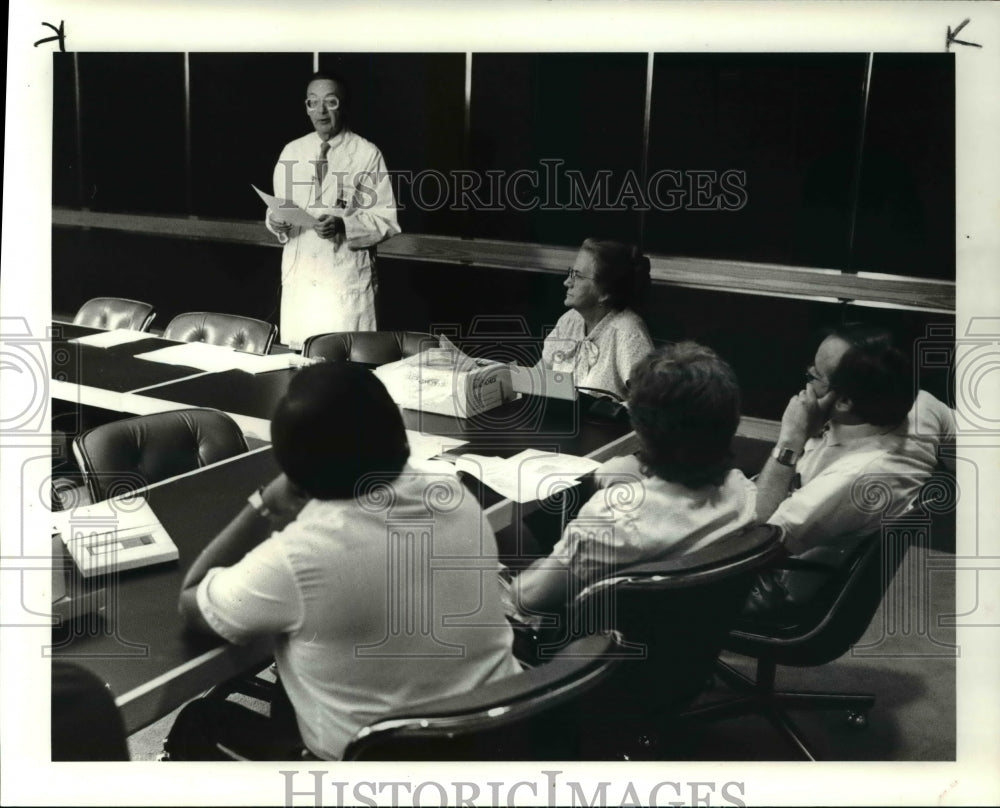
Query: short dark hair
{"points": [[684, 404], [322, 75], [336, 424], [874, 374], [620, 270]]}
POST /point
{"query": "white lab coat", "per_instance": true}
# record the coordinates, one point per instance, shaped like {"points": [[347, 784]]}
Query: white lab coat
{"points": [[329, 284]]}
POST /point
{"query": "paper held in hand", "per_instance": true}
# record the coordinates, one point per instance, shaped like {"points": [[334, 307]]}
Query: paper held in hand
{"points": [[287, 211]]}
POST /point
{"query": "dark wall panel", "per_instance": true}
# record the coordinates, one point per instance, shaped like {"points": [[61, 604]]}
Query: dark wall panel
{"points": [[786, 127], [786, 123], [132, 126], [65, 163], [906, 210], [244, 108], [583, 112], [412, 106]]}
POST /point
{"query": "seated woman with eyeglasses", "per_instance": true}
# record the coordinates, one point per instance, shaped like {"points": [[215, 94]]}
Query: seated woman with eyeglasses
{"points": [[600, 338]]}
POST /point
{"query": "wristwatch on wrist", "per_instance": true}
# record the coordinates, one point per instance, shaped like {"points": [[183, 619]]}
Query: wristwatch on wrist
{"points": [[785, 456], [256, 501]]}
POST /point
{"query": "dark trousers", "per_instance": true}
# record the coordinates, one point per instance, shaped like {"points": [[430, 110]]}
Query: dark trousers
{"points": [[212, 728]]}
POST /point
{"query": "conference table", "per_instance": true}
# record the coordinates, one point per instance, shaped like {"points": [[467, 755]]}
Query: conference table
{"points": [[140, 647]]}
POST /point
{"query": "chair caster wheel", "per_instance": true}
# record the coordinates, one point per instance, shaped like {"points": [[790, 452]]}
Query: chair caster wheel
{"points": [[857, 720]]}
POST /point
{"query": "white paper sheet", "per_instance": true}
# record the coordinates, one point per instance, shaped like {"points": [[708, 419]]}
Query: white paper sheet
{"points": [[193, 355], [287, 211], [118, 336], [253, 363], [220, 358], [528, 476]]}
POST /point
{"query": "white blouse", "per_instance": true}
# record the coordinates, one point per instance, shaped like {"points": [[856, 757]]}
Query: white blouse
{"points": [[602, 359]]}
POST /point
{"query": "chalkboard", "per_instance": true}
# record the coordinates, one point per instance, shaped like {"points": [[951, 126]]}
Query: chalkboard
{"points": [[132, 131], [743, 135], [411, 105], [244, 108], [575, 122], [906, 209], [65, 162], [790, 158]]}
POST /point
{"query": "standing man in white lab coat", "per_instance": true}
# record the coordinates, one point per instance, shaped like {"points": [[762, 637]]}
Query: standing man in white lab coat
{"points": [[328, 279]]}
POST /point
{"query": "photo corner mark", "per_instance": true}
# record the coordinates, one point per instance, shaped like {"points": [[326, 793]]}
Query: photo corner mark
{"points": [[60, 35]]}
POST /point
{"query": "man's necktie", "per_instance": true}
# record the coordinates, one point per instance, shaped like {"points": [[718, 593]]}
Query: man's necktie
{"points": [[321, 169]]}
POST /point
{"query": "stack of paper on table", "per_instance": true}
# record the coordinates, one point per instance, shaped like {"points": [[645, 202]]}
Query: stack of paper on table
{"points": [[441, 381], [114, 534], [216, 358], [527, 476], [107, 339]]}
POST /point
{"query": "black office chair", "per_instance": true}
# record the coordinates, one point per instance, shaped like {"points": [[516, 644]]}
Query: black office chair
{"points": [[122, 456], [115, 312], [811, 635], [674, 616], [367, 347], [541, 714], [85, 722], [231, 330]]}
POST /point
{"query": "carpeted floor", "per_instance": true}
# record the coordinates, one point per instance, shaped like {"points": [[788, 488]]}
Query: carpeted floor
{"points": [[906, 659]]}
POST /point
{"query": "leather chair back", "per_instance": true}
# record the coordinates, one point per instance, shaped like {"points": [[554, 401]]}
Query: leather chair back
{"points": [[367, 347], [231, 330], [115, 312], [122, 456], [540, 714], [675, 616]]}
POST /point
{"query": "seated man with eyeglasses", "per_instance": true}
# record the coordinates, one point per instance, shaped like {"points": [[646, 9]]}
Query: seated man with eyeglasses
{"points": [[856, 429]]}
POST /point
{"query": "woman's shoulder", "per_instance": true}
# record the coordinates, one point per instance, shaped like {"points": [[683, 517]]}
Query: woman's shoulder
{"points": [[630, 320], [568, 322]]}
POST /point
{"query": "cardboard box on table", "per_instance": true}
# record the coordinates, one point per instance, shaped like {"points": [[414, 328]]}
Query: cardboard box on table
{"points": [[446, 383]]}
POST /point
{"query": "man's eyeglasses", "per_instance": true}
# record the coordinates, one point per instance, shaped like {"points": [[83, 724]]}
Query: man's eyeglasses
{"points": [[575, 275], [331, 104], [812, 377]]}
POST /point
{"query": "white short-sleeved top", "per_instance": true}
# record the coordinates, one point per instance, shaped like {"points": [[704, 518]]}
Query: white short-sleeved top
{"points": [[369, 608], [649, 519]]}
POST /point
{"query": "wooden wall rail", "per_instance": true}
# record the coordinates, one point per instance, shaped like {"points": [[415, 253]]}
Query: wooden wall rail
{"points": [[739, 277]]}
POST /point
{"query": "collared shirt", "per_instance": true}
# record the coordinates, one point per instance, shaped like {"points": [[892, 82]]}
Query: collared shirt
{"points": [[649, 519], [366, 619], [602, 359], [854, 476]]}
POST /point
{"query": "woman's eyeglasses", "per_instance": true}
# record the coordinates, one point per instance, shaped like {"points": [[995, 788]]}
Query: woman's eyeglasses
{"points": [[331, 104], [575, 275]]}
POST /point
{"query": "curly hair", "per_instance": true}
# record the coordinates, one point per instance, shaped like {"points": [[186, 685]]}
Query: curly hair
{"points": [[684, 404]]}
